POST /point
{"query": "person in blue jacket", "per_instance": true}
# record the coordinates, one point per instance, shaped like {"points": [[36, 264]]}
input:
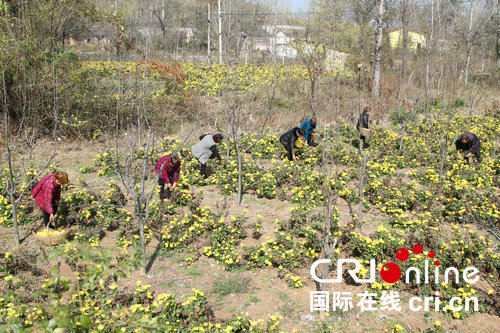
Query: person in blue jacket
{"points": [[308, 126]]}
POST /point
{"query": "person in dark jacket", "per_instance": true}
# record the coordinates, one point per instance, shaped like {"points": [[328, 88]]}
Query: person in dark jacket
{"points": [[288, 141], [468, 144], [47, 194], [168, 168], [363, 121], [207, 149], [309, 125]]}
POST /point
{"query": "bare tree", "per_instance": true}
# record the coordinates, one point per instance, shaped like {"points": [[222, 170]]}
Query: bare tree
{"points": [[160, 16], [362, 178], [403, 119], [378, 49], [479, 15], [16, 194], [404, 26], [134, 174], [235, 105], [445, 146], [328, 245], [428, 48], [313, 57]]}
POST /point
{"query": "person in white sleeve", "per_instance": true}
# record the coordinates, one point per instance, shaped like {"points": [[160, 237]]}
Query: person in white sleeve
{"points": [[206, 149]]}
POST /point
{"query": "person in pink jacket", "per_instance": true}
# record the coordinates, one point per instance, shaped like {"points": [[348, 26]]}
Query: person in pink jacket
{"points": [[47, 194]]}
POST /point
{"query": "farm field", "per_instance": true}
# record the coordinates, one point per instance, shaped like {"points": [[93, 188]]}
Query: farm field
{"points": [[215, 266], [237, 166]]}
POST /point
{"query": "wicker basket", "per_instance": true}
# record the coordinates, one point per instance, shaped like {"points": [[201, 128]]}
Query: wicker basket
{"points": [[51, 240], [365, 132]]}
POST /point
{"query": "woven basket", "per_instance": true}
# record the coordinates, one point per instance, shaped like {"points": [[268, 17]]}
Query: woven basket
{"points": [[51, 240], [365, 132]]}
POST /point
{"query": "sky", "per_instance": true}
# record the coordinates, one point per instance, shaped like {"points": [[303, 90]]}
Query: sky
{"points": [[298, 5]]}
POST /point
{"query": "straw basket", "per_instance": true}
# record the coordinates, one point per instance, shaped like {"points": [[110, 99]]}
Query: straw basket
{"points": [[365, 132], [315, 135], [51, 240]]}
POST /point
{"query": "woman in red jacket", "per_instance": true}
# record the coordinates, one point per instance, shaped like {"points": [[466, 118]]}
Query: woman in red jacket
{"points": [[47, 194], [169, 174]]}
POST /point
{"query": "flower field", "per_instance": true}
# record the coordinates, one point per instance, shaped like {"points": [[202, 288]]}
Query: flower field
{"points": [[406, 201], [205, 79]]}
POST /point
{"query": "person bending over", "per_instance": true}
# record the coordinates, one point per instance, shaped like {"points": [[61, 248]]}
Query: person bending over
{"points": [[288, 141], [469, 144], [309, 125], [206, 149], [169, 174], [47, 194]]}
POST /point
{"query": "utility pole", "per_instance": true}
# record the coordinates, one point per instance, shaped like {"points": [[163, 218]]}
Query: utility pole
{"points": [[219, 14], [208, 34]]}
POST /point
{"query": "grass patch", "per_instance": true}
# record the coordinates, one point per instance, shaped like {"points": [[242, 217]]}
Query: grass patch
{"points": [[268, 280], [236, 285], [252, 299], [192, 271], [256, 201], [289, 308], [283, 296], [177, 256], [167, 284]]}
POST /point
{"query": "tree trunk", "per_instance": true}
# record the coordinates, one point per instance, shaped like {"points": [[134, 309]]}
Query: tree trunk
{"points": [[362, 176], [404, 21], [428, 49], [327, 249], [141, 237], [240, 180], [378, 50], [441, 166], [208, 35], [497, 35], [469, 44], [14, 210], [313, 87], [403, 130], [220, 32], [12, 192]]}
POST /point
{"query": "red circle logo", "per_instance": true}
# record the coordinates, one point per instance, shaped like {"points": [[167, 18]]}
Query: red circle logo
{"points": [[402, 254], [417, 249], [390, 272]]}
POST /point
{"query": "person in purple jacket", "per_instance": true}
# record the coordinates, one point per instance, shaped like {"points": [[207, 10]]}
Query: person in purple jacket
{"points": [[468, 144]]}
